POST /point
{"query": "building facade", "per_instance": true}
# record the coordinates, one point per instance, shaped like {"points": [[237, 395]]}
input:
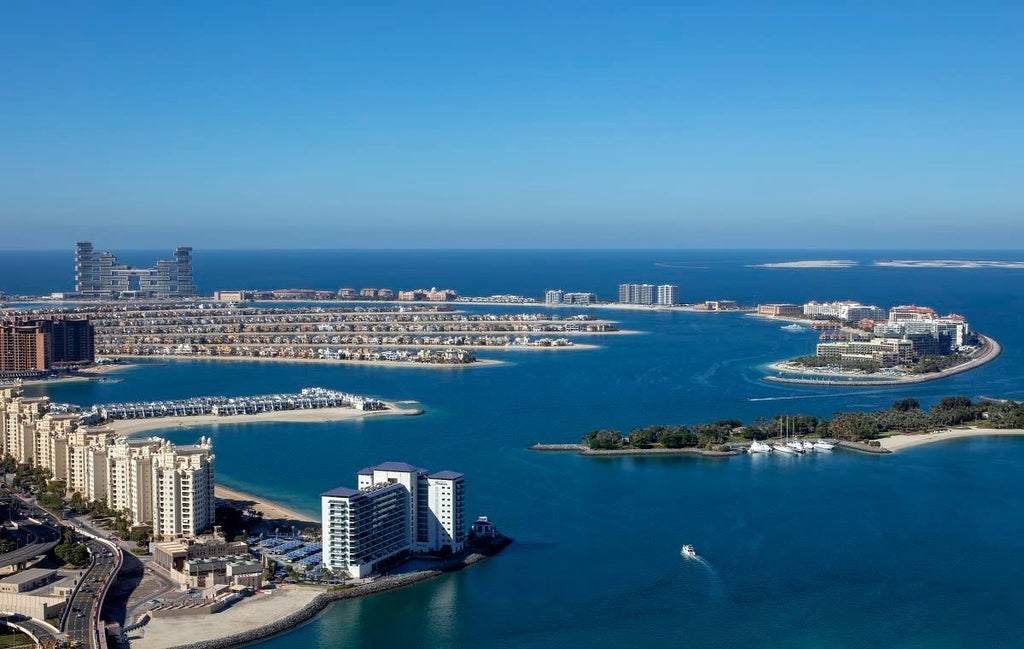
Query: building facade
{"points": [[398, 509], [98, 274], [36, 344], [636, 294], [668, 294]]}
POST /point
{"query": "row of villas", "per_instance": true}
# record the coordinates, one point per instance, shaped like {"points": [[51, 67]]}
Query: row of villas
{"points": [[159, 483]]}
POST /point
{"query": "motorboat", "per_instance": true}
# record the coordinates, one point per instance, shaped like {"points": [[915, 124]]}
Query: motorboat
{"points": [[808, 446], [822, 445], [759, 447], [688, 552], [793, 327], [796, 445]]}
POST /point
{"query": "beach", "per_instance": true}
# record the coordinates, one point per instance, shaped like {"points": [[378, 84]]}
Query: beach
{"points": [[313, 361], [899, 442], [305, 415], [270, 510]]}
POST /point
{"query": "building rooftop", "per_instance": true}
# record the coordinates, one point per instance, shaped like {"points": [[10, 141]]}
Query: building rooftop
{"points": [[28, 575], [390, 466], [341, 492], [446, 475]]}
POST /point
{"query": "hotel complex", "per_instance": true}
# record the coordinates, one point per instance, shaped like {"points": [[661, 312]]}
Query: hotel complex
{"points": [[562, 297], [160, 484], [97, 274], [37, 344], [397, 509]]}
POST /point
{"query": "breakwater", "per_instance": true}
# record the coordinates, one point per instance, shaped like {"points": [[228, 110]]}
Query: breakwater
{"points": [[322, 601]]}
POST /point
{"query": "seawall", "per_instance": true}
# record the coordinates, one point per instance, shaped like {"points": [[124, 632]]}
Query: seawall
{"points": [[321, 602]]}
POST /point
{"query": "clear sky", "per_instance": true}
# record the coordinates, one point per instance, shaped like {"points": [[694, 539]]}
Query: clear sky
{"points": [[512, 124]]}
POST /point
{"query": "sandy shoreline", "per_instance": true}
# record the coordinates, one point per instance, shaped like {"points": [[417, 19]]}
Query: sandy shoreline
{"points": [[270, 510], [991, 351], [276, 359], [899, 442]]}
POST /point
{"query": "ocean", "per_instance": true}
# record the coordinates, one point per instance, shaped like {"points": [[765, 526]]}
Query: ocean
{"points": [[916, 549]]}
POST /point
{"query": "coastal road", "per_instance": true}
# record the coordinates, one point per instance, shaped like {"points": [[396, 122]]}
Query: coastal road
{"points": [[81, 620]]}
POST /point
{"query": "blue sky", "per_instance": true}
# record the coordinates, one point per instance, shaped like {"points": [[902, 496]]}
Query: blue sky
{"points": [[516, 124]]}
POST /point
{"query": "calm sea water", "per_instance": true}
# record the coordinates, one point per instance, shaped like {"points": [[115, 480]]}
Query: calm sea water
{"points": [[917, 549]]}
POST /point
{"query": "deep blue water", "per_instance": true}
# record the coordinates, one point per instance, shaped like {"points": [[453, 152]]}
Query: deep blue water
{"points": [[916, 549]]}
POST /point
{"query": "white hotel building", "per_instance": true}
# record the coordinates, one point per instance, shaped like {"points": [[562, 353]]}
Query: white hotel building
{"points": [[397, 509]]}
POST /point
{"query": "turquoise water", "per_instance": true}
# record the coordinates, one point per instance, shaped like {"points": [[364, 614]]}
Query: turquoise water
{"points": [[917, 549]]}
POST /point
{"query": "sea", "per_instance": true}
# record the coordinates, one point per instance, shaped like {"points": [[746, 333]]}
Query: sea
{"points": [[918, 549]]}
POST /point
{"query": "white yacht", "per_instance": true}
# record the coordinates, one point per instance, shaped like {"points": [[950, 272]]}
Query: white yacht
{"points": [[793, 327], [783, 448], [808, 446], [796, 445], [758, 446], [822, 445], [688, 552]]}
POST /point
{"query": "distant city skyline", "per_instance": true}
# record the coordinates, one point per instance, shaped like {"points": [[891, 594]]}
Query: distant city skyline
{"points": [[546, 125]]}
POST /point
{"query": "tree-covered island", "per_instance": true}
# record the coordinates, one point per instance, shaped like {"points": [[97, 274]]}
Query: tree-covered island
{"points": [[904, 416]]}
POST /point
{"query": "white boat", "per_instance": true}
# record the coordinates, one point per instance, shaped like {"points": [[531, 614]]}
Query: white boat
{"points": [[782, 448], [688, 552], [797, 447], [822, 445], [793, 327], [759, 447], [808, 446]]}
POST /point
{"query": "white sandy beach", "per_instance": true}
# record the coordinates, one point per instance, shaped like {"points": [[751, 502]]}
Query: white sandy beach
{"points": [[270, 510], [311, 415], [898, 442], [252, 612]]}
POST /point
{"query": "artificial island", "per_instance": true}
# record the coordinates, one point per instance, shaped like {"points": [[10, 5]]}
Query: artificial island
{"points": [[114, 494]]}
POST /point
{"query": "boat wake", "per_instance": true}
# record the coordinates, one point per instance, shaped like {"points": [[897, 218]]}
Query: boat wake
{"points": [[716, 589]]}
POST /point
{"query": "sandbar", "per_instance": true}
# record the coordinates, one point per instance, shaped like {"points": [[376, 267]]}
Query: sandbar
{"points": [[809, 263], [898, 442], [949, 263], [306, 415]]}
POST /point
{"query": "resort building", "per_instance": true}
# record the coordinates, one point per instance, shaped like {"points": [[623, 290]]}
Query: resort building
{"points": [[717, 305], [884, 351], [780, 310], [846, 310], [397, 509], [37, 344], [561, 297], [636, 294], [97, 274], [433, 295], [668, 294]]}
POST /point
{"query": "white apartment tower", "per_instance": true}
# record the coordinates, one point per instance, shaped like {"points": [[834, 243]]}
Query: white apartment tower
{"points": [[668, 294], [396, 510], [183, 503], [636, 293]]}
